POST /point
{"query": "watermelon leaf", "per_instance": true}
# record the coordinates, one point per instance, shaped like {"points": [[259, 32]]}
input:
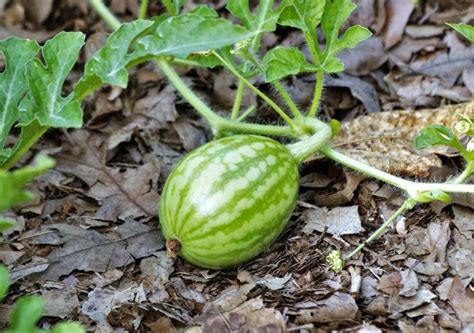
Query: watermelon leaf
{"points": [[264, 20], [13, 84], [189, 33], [283, 61], [464, 29], [109, 64]]}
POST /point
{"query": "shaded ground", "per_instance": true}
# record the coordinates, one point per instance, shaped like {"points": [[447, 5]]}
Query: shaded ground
{"points": [[90, 243]]}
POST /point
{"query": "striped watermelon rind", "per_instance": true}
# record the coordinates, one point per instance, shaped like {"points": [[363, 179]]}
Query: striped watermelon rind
{"points": [[228, 200]]}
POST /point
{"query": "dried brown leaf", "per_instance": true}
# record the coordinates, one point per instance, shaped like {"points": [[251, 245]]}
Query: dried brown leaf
{"points": [[463, 220], [338, 307], [38, 10], [427, 268], [424, 31], [91, 251], [398, 13], [438, 238], [337, 221], [100, 303], [360, 89], [249, 316], [409, 46], [134, 191], [60, 303], [365, 57], [400, 303], [385, 140], [462, 300], [410, 283]]}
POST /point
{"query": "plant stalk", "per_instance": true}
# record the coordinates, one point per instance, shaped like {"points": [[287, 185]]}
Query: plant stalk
{"points": [[407, 205], [143, 9], [256, 91], [313, 49], [311, 144], [412, 188], [238, 100], [318, 90], [246, 113], [218, 123], [289, 101], [468, 172], [281, 90], [169, 7], [105, 14]]}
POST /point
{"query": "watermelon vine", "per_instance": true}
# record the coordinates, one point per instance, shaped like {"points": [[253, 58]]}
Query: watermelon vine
{"points": [[209, 211], [227, 201]]}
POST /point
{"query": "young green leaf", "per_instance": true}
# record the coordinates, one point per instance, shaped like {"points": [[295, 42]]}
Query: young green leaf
{"points": [[435, 135], [26, 314], [4, 281], [465, 125], [336, 13], [302, 14], [283, 61], [464, 29], [333, 65], [205, 60], [109, 64], [264, 20], [435, 195], [13, 85], [44, 101], [179, 36], [353, 36], [12, 183]]}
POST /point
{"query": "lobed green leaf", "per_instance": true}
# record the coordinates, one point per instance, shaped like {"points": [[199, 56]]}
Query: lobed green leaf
{"points": [[280, 62], [180, 36], [44, 102], [434, 135], [333, 65], [18, 54], [305, 15], [353, 36], [336, 13], [464, 29], [264, 20], [109, 64]]}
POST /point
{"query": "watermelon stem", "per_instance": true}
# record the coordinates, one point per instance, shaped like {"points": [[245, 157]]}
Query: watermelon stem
{"points": [[173, 246], [311, 144], [218, 123]]}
